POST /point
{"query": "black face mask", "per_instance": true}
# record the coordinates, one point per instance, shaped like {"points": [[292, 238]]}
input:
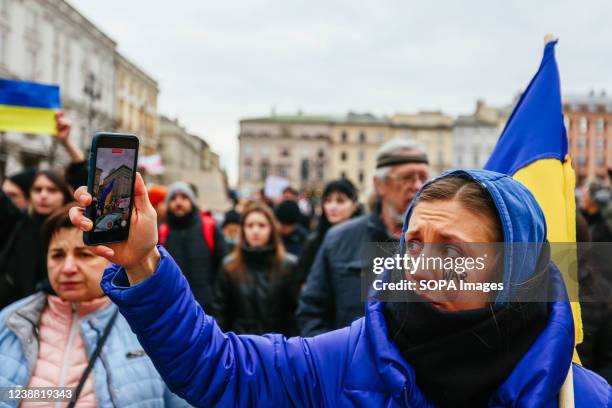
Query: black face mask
{"points": [[461, 358], [182, 222]]}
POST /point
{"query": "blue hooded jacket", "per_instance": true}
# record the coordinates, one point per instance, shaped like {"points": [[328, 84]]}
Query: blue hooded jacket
{"points": [[356, 366]]}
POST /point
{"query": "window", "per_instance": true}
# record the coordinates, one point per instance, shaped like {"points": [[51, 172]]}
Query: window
{"points": [[361, 155], [248, 149], [282, 171], [248, 172], [343, 174], [3, 45], [343, 136], [361, 177], [31, 20], [32, 56], [599, 125], [265, 151], [265, 170], [583, 125], [305, 170], [320, 173], [321, 153], [581, 160], [600, 143], [362, 137], [600, 160], [285, 152], [582, 141], [343, 156]]}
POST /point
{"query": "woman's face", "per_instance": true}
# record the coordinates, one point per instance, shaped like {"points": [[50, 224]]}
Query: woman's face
{"points": [[455, 232], [257, 229], [45, 196], [74, 271], [338, 207]]}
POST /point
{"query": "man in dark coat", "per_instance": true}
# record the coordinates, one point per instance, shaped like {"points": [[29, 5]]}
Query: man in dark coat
{"points": [[186, 240], [293, 233], [331, 297]]}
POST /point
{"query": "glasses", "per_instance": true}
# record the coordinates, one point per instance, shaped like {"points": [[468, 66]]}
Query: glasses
{"points": [[410, 178]]}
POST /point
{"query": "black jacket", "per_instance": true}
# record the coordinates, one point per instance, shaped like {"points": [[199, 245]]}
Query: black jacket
{"points": [[595, 351], [312, 245], [186, 244], [264, 302], [293, 242], [331, 297], [22, 263]]}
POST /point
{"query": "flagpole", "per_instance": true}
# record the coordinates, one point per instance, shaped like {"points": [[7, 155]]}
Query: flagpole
{"points": [[566, 393]]}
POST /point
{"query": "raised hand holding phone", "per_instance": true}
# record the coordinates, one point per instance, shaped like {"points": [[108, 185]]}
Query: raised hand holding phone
{"points": [[138, 255]]}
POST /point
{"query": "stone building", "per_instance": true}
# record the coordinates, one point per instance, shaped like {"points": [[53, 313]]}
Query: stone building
{"points": [[295, 147], [188, 157], [432, 130], [136, 105], [588, 120], [49, 41], [475, 135], [121, 176]]}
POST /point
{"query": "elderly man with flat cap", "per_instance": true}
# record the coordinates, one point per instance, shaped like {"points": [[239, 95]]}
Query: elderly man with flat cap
{"points": [[331, 297]]}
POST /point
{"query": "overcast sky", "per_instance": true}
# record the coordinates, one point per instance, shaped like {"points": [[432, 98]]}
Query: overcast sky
{"points": [[107, 161], [217, 62]]}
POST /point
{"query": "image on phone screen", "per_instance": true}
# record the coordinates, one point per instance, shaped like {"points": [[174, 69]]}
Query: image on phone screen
{"points": [[112, 187]]}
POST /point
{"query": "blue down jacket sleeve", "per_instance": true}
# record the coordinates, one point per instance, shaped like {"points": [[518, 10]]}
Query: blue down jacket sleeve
{"points": [[208, 367]]}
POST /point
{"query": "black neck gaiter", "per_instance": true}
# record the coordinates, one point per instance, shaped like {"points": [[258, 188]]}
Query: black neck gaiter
{"points": [[182, 222], [461, 358]]}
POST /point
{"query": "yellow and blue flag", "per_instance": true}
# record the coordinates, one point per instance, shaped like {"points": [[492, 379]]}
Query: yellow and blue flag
{"points": [[106, 196], [28, 107], [533, 149]]}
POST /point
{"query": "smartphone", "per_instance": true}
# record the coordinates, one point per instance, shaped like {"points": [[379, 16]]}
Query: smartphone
{"points": [[112, 171]]}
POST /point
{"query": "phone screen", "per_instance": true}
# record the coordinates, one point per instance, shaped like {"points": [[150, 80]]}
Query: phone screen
{"points": [[112, 183]]}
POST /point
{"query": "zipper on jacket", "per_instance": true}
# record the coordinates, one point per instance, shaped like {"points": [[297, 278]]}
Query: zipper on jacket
{"points": [[74, 330]]}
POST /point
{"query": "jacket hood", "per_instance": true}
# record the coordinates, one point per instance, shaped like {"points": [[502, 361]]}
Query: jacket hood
{"points": [[522, 221]]}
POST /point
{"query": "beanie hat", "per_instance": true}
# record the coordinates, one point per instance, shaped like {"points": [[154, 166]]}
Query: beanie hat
{"points": [[24, 180], [231, 217], [157, 194], [288, 212], [343, 186], [183, 188]]}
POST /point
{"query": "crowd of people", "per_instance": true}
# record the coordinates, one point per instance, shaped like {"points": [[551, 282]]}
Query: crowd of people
{"points": [[291, 266]]}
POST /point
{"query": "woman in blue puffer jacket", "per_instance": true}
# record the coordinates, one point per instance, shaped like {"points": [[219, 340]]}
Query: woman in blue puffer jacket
{"points": [[472, 352]]}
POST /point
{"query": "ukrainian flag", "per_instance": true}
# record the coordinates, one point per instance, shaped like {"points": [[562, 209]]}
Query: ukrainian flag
{"points": [[533, 149], [28, 107]]}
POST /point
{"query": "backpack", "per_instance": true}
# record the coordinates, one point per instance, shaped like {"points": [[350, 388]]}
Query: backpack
{"points": [[208, 231]]}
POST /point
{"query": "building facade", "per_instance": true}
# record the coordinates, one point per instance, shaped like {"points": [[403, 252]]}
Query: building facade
{"points": [[355, 139], [136, 105], [311, 150], [187, 157], [588, 121], [475, 136], [49, 41], [294, 147], [432, 130]]}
